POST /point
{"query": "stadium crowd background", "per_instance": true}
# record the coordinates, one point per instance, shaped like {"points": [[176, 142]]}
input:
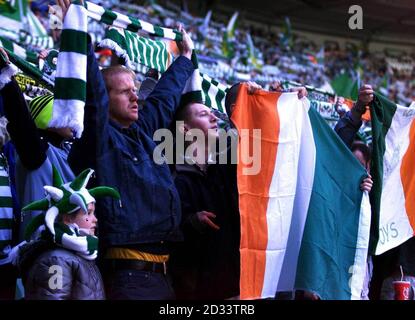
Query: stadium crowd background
{"points": [[278, 52]]}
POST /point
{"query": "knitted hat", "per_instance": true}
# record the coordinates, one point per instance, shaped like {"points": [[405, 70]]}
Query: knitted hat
{"points": [[41, 110], [65, 198]]}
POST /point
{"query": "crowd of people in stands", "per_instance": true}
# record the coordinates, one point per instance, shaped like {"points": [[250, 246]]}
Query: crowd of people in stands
{"points": [[164, 232], [298, 59]]}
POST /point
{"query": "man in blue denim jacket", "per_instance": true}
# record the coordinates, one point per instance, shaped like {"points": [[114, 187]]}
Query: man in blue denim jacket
{"points": [[117, 142]]}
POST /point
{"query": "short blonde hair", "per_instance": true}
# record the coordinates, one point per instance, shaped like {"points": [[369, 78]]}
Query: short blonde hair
{"points": [[110, 72]]}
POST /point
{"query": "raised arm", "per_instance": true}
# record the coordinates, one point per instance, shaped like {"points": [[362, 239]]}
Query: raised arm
{"points": [[94, 139], [22, 129], [349, 125], [160, 106]]}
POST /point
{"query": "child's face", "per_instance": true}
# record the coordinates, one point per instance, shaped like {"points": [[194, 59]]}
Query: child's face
{"points": [[86, 221]]}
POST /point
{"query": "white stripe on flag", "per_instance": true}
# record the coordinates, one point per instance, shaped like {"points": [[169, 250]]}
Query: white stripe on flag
{"points": [[71, 70], [305, 180], [358, 269], [393, 217], [282, 189]]}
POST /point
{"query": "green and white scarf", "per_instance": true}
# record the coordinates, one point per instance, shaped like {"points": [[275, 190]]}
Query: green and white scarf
{"points": [[155, 54], [70, 83], [26, 55], [29, 69], [132, 24], [73, 238], [70, 80], [133, 48], [43, 42]]}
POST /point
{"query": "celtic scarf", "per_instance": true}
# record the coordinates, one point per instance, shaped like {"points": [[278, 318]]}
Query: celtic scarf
{"points": [[155, 54], [120, 20], [70, 81], [26, 55], [73, 238]]}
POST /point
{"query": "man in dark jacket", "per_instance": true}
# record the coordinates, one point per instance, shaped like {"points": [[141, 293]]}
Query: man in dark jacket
{"points": [[133, 233], [206, 265]]}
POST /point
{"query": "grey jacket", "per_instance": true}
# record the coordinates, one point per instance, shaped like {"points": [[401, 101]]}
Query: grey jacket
{"points": [[59, 274]]}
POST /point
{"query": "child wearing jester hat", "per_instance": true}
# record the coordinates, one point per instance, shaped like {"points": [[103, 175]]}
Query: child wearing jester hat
{"points": [[60, 265]]}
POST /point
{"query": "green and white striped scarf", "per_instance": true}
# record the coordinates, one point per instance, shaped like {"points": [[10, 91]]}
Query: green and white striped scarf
{"points": [[29, 69], [132, 24], [26, 39], [132, 47], [155, 55], [70, 83], [6, 212], [70, 80], [74, 239], [43, 42], [26, 55]]}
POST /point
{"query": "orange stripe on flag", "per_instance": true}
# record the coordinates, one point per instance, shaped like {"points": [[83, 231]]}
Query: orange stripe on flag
{"points": [[259, 111], [408, 177]]}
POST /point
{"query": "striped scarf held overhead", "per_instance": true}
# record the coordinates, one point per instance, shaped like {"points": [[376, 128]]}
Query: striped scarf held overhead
{"points": [[70, 83], [132, 24], [157, 55], [70, 80], [133, 48]]}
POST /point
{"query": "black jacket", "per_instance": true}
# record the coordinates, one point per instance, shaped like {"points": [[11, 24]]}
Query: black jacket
{"points": [[206, 265]]}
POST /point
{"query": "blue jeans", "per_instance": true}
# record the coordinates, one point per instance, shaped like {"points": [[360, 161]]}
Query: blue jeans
{"points": [[130, 284]]}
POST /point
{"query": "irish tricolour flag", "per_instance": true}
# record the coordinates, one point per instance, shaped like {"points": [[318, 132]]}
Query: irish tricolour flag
{"points": [[302, 226], [393, 171]]}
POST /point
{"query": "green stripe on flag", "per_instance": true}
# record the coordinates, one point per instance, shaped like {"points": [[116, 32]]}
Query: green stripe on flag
{"points": [[328, 246], [381, 113], [74, 41], [70, 88]]}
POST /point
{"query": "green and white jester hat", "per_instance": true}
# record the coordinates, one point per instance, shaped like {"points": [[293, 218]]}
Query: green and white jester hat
{"points": [[65, 198]]}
